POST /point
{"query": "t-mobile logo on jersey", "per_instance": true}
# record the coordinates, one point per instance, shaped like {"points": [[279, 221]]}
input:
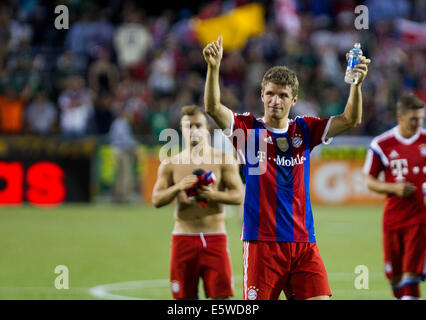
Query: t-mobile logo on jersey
{"points": [[399, 168], [282, 161]]}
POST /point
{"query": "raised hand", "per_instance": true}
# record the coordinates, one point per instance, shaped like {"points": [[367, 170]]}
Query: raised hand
{"points": [[361, 68], [213, 53]]}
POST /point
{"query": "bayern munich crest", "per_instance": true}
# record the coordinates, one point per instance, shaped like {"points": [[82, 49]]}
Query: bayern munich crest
{"points": [[297, 140], [175, 286], [252, 293]]}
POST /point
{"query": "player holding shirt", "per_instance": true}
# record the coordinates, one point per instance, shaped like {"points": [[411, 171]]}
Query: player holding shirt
{"points": [[401, 154], [279, 246], [199, 241]]}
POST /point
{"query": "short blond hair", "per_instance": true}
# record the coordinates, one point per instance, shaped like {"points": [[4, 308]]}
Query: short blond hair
{"points": [[190, 110], [282, 76]]}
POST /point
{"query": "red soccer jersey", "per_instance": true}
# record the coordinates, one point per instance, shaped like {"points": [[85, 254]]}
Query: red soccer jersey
{"points": [[276, 168], [401, 160]]}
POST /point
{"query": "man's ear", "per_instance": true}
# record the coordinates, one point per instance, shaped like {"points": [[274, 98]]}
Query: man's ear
{"points": [[398, 116], [295, 100]]}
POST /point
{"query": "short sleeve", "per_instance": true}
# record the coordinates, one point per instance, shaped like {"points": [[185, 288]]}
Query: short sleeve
{"points": [[318, 129], [241, 124], [373, 164], [239, 121]]}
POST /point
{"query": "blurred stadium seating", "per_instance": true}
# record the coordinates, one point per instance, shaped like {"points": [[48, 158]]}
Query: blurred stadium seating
{"points": [[129, 55]]}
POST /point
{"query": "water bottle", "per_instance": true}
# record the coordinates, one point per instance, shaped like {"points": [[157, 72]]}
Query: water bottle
{"points": [[351, 76]]}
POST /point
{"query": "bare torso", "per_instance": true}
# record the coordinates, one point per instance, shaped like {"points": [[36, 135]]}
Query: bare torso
{"points": [[191, 217]]}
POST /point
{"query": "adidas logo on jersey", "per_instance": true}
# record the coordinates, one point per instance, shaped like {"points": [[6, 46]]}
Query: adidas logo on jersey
{"points": [[268, 140], [393, 154]]}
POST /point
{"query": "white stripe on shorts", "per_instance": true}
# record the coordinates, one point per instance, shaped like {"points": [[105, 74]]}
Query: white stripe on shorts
{"points": [[245, 265]]}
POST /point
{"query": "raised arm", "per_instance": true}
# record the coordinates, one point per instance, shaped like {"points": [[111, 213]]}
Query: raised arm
{"points": [[351, 117], [164, 190], [221, 115]]}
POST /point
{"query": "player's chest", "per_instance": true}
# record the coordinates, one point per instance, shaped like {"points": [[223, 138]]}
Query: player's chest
{"points": [[277, 149], [406, 161], [184, 170]]}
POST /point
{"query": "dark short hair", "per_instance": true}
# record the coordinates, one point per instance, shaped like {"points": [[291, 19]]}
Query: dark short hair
{"points": [[407, 102], [281, 76]]}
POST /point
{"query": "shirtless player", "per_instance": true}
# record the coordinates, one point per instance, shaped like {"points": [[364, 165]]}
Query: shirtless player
{"points": [[199, 241]]}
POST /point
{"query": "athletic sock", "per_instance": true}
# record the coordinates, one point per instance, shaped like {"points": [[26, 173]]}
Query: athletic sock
{"points": [[410, 287], [411, 292]]}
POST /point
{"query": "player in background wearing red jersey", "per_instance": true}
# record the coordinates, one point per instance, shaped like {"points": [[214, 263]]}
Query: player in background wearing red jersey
{"points": [[280, 251], [401, 154], [199, 240]]}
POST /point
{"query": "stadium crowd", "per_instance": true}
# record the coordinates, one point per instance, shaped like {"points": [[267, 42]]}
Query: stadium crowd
{"points": [[117, 55]]}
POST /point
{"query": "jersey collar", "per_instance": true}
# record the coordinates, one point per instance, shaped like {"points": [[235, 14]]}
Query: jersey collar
{"points": [[403, 140], [274, 130]]}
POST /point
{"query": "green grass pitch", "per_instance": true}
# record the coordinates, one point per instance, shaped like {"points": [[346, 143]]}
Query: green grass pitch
{"points": [[122, 252]]}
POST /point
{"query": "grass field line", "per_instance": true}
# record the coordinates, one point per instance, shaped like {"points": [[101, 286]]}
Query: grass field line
{"points": [[104, 291], [111, 291], [40, 289]]}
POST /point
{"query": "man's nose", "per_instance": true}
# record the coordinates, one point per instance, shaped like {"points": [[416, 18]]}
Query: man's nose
{"points": [[275, 100]]}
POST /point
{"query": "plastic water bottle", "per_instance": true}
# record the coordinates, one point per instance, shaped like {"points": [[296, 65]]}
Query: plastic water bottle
{"points": [[351, 76]]}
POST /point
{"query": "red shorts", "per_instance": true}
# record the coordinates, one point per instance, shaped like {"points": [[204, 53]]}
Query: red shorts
{"points": [[200, 255], [293, 267], [404, 250]]}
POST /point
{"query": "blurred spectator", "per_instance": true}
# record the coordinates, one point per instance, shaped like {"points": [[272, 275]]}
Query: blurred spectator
{"points": [[256, 66], [99, 34], [162, 77], [22, 73], [135, 97], [103, 75], [68, 64], [125, 150], [103, 115], [233, 69], [11, 111], [19, 32], [161, 26], [41, 115], [158, 116], [306, 106], [385, 9], [132, 40], [183, 98], [76, 108], [76, 39], [4, 35], [332, 103]]}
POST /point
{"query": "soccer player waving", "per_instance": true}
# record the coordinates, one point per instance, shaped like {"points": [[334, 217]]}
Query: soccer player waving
{"points": [[279, 245], [401, 154]]}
